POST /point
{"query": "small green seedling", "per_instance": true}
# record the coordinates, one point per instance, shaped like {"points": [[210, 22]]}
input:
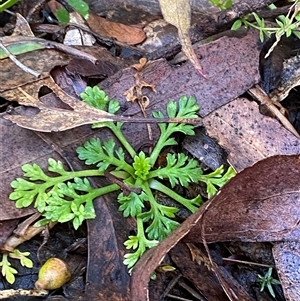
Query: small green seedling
{"points": [[222, 4], [80, 6], [286, 25], [7, 270], [267, 281], [68, 195], [7, 4]]}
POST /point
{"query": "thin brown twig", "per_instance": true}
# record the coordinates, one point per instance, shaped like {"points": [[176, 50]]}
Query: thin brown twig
{"points": [[17, 62], [259, 95]]}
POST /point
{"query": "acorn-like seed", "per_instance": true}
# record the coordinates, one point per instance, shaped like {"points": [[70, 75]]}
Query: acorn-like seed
{"points": [[53, 274]]}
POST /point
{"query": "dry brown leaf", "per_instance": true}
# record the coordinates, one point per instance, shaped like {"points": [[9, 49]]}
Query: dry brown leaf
{"points": [[69, 114], [249, 136], [22, 27], [287, 260], [178, 13], [129, 34], [54, 119], [265, 196], [256, 205]]}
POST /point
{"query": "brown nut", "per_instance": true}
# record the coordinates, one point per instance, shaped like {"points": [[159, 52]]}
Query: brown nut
{"points": [[53, 274]]}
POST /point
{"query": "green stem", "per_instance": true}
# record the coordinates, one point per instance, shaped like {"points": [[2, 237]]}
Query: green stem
{"points": [[164, 136], [104, 190], [117, 132], [247, 23], [178, 198], [84, 173], [69, 176], [151, 198], [7, 4], [123, 165]]}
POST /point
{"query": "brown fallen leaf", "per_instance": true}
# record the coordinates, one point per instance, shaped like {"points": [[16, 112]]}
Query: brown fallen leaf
{"points": [[178, 13], [22, 44], [256, 205], [45, 118], [261, 203], [107, 276], [231, 73], [287, 260], [248, 136], [129, 34]]}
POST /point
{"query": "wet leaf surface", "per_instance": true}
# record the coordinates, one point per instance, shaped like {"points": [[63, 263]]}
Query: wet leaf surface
{"points": [[229, 74]]}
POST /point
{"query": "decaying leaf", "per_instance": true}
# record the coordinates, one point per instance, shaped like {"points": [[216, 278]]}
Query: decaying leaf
{"points": [[256, 205], [18, 45], [72, 113], [51, 119], [178, 13], [250, 136], [131, 35], [135, 93], [287, 259], [266, 197]]}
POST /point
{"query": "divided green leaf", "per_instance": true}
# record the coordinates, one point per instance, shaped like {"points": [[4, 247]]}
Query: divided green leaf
{"points": [[67, 196]]}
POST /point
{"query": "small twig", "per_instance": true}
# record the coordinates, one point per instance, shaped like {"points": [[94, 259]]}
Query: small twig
{"points": [[258, 94], [282, 31], [194, 293], [17, 62], [178, 298], [247, 262], [15, 240], [126, 188], [171, 284], [8, 294]]}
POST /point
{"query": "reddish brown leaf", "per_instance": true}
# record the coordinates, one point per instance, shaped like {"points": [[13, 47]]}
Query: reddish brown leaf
{"points": [[247, 135], [131, 35], [260, 204], [107, 276]]}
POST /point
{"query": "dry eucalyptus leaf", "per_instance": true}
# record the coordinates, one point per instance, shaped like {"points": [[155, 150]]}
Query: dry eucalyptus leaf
{"points": [[22, 28], [69, 114], [261, 203], [249, 136], [53, 119], [178, 13], [129, 34], [287, 260]]}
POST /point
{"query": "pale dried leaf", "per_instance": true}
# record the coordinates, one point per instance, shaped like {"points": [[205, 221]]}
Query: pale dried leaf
{"points": [[178, 13]]}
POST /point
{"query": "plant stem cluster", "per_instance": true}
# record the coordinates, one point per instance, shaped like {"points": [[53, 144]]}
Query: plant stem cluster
{"points": [[68, 195]]}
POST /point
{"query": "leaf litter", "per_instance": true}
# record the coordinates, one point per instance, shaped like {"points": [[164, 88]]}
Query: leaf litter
{"points": [[163, 82], [268, 211]]}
